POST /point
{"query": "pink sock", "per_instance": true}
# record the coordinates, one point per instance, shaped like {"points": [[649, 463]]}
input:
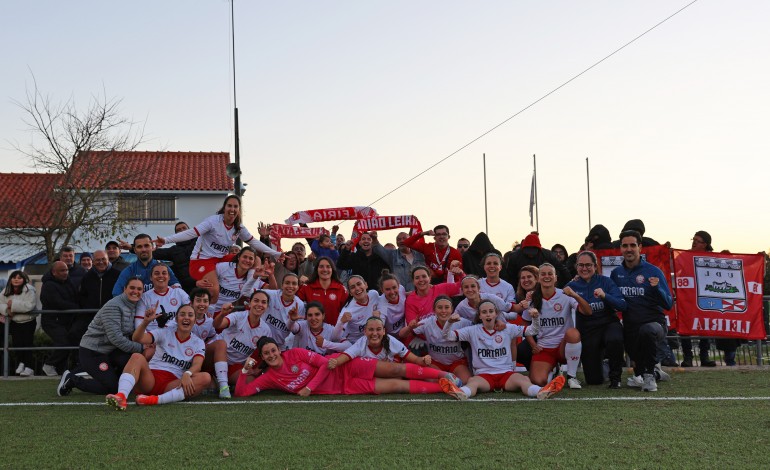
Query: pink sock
{"points": [[417, 387], [413, 371]]}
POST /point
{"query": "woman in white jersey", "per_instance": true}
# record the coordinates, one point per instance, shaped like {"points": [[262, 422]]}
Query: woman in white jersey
{"points": [[163, 299], [491, 357], [392, 303], [313, 333], [446, 354], [233, 278], [492, 284], [361, 304], [216, 234], [558, 341], [241, 331], [528, 276], [173, 373], [282, 302]]}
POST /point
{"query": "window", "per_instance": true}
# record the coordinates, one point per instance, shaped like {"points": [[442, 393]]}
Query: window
{"points": [[147, 209]]}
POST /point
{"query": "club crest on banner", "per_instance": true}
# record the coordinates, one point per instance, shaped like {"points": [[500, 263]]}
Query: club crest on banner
{"points": [[720, 284]]}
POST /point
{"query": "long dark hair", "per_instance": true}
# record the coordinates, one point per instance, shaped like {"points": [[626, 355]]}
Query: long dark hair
{"points": [[350, 296], [385, 339], [261, 343], [537, 294], [9, 291], [245, 249], [314, 275], [237, 221]]}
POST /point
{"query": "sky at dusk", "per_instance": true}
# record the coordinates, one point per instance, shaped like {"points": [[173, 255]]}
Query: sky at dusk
{"points": [[340, 102]]}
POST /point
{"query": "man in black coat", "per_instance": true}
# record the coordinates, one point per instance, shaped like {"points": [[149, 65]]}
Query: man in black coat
{"points": [[532, 253], [95, 291], [58, 293]]}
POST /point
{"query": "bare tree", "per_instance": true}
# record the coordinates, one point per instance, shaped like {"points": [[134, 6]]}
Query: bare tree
{"points": [[79, 147]]}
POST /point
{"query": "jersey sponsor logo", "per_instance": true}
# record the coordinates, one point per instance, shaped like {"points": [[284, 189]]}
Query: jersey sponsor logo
{"points": [[218, 247], [229, 293], [632, 291], [242, 348], [640, 279], [597, 306], [551, 322], [188, 352], [492, 353], [276, 322], [444, 349], [299, 380], [175, 361]]}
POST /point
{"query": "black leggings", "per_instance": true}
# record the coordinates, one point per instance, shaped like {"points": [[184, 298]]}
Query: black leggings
{"points": [[104, 368], [606, 340]]}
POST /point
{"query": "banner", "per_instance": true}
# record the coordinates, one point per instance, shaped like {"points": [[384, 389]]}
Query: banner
{"points": [[326, 215], [719, 294], [658, 255], [384, 223], [278, 231]]}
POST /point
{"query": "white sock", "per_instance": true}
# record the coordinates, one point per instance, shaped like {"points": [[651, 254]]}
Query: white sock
{"points": [[533, 389], [466, 390], [126, 383], [171, 396], [572, 351], [220, 370]]}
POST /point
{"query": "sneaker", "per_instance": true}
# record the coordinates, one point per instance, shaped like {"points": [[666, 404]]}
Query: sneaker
{"points": [[614, 385], [574, 383], [635, 381], [449, 387], [147, 400], [455, 379], [649, 384], [65, 384], [552, 388], [20, 369], [687, 363], [660, 374], [49, 370], [707, 363], [224, 392], [117, 401], [27, 372], [669, 362]]}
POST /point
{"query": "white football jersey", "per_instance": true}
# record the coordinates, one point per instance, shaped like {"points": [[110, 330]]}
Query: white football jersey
{"points": [[502, 289], [277, 316], [469, 313], [491, 350], [203, 329], [354, 329], [231, 286], [173, 355], [306, 339], [393, 313], [241, 337], [360, 349], [169, 302], [556, 316], [441, 349]]}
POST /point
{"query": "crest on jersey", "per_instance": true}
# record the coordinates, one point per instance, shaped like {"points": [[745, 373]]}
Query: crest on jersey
{"points": [[557, 307], [103, 367], [498, 339], [332, 296], [294, 369], [188, 352], [720, 284], [254, 340], [174, 302], [640, 279], [201, 269]]}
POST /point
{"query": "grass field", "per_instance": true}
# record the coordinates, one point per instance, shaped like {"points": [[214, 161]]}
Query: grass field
{"points": [[701, 419]]}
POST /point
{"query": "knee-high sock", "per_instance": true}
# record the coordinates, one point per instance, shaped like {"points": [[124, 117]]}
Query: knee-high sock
{"points": [[572, 351], [220, 370], [419, 387], [126, 383], [413, 371], [171, 396]]}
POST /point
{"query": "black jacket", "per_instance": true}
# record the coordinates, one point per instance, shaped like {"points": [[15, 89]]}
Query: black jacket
{"points": [[478, 249], [179, 255], [534, 256], [368, 267], [96, 290]]}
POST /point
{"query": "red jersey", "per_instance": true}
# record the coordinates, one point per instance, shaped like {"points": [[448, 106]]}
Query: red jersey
{"points": [[332, 298], [438, 260]]}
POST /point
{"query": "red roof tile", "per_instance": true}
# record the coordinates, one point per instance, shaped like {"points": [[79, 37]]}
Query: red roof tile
{"points": [[25, 199], [160, 171]]}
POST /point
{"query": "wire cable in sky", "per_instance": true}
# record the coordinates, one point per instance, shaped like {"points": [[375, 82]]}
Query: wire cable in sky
{"points": [[575, 77]]}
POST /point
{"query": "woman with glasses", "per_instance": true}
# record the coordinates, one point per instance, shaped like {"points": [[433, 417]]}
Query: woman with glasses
{"points": [[601, 332]]}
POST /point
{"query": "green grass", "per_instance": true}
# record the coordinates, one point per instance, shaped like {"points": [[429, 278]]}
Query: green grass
{"points": [[666, 432]]}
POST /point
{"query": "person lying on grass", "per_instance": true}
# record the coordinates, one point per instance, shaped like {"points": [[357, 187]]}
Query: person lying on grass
{"points": [[491, 356], [173, 373], [304, 372]]}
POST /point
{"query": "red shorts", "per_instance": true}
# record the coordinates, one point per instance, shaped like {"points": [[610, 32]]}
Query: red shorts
{"points": [[552, 356], [162, 379], [200, 267], [451, 367], [496, 381]]}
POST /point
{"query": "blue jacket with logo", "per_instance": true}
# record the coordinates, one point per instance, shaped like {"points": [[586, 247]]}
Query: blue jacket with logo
{"points": [[602, 310], [644, 303]]}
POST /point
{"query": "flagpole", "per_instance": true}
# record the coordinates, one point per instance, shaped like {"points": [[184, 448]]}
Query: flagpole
{"points": [[537, 212], [588, 185], [486, 216]]}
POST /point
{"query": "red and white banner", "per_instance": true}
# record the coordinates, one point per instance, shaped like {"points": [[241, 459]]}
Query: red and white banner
{"points": [[659, 255], [336, 213], [278, 231], [384, 222], [719, 294]]}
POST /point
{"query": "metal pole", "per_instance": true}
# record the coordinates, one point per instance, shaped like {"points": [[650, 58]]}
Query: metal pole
{"points": [[486, 216], [5, 346], [537, 209], [237, 179], [588, 185], [759, 352]]}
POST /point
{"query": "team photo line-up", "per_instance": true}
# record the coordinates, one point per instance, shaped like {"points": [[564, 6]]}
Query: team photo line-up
{"points": [[418, 317]]}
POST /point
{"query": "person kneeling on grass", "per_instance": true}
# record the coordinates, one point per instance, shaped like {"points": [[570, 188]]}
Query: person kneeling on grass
{"points": [[491, 356], [304, 372], [173, 373]]}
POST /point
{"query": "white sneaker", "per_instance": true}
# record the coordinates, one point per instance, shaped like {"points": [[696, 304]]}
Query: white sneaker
{"points": [[635, 381], [49, 370], [661, 374], [574, 383], [27, 372], [20, 369], [649, 384]]}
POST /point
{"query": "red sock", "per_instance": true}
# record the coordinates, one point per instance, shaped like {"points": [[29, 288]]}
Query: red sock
{"points": [[413, 371], [417, 387]]}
